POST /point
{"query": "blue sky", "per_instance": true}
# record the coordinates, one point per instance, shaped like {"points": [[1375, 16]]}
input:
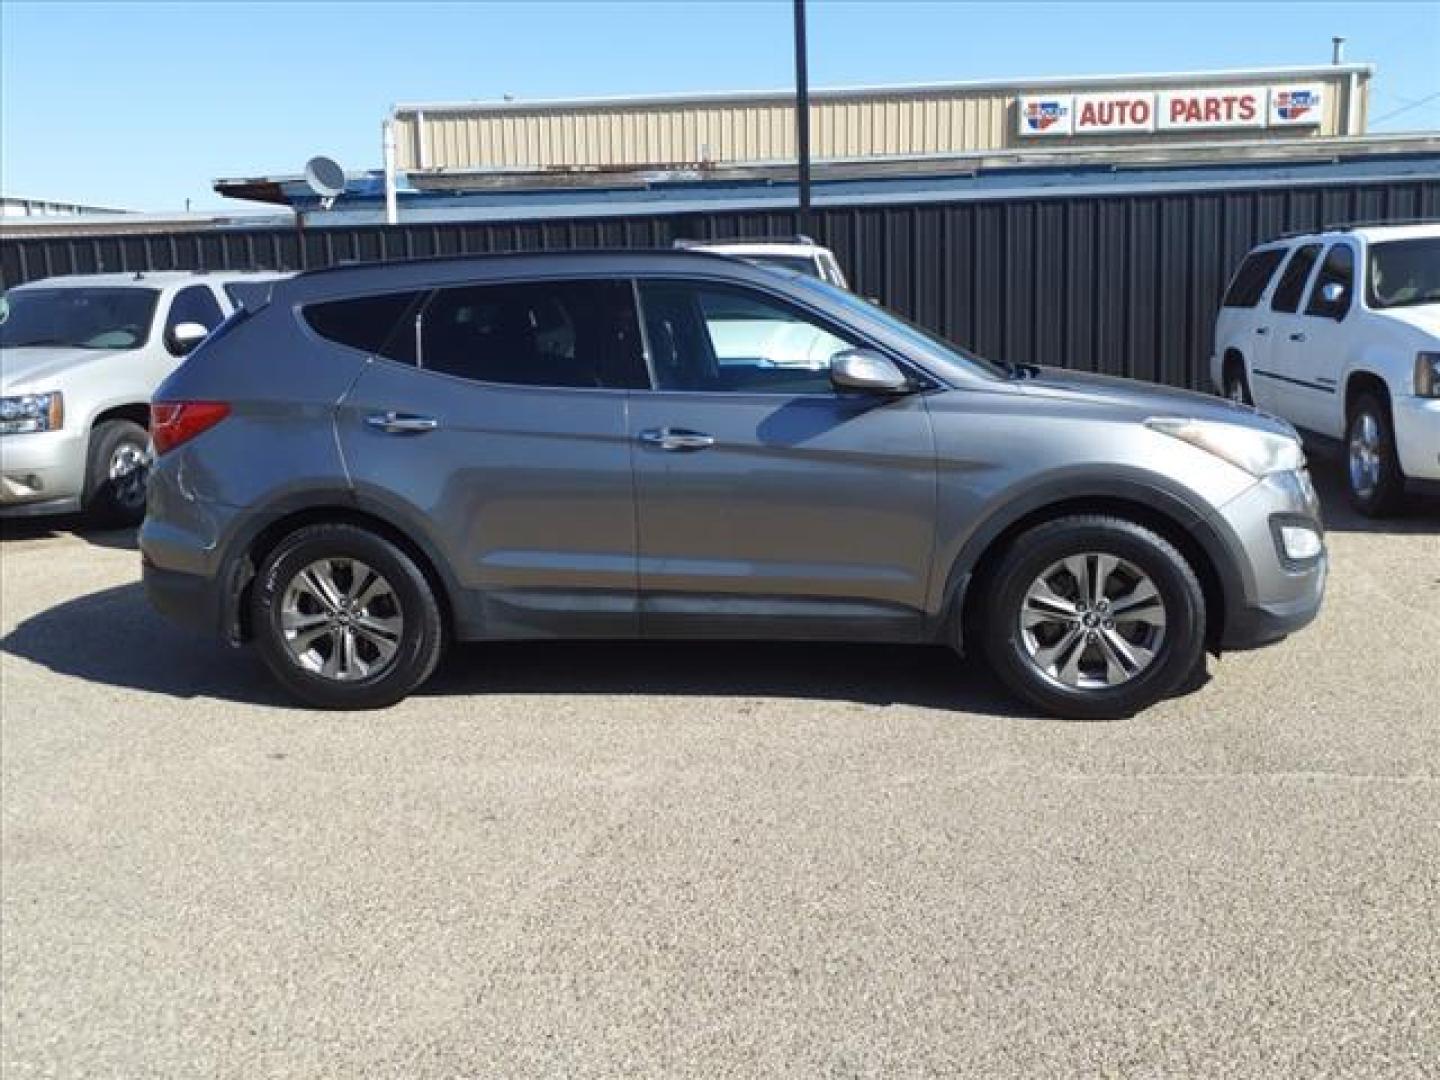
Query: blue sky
{"points": [[141, 105]]}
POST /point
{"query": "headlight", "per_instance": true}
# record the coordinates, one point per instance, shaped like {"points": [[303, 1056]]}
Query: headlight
{"points": [[1427, 374], [1259, 453], [31, 412]]}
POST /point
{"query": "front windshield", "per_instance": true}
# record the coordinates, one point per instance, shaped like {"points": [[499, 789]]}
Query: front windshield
{"points": [[1404, 273], [77, 317], [926, 340]]}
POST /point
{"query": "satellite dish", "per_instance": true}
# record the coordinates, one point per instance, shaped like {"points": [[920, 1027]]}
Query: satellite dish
{"points": [[324, 176]]}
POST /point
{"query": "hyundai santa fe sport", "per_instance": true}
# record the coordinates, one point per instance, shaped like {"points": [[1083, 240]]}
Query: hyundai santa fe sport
{"points": [[385, 458]]}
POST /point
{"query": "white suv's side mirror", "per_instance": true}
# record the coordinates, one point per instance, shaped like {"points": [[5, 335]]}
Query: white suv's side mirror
{"points": [[186, 335]]}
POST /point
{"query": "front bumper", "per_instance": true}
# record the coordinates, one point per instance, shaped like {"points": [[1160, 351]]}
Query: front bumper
{"points": [[1277, 595], [1417, 436], [41, 472]]}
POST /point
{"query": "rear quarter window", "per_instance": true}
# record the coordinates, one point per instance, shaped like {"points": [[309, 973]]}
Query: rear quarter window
{"points": [[1251, 280], [381, 325]]}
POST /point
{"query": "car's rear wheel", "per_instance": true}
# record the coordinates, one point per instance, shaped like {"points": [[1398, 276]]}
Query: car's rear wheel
{"points": [[1093, 617], [345, 619], [1373, 476], [116, 469]]}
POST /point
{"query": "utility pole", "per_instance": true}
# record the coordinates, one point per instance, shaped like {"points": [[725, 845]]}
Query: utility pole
{"points": [[802, 116]]}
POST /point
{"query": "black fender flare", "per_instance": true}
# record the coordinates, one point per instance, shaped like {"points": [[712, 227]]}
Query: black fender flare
{"points": [[1064, 489]]}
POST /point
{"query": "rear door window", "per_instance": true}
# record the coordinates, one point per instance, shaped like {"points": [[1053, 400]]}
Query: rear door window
{"points": [[1337, 269], [1251, 279], [249, 294], [580, 334], [381, 325], [1292, 281]]}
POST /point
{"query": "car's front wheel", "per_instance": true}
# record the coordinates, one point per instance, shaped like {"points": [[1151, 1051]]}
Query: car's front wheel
{"points": [[1373, 476], [116, 470], [345, 619], [1093, 617]]}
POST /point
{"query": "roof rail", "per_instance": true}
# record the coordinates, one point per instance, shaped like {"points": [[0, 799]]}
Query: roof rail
{"points": [[797, 238], [1346, 226]]}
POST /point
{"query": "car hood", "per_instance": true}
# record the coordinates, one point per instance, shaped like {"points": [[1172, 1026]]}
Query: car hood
{"points": [[1130, 399], [1422, 317], [39, 368]]}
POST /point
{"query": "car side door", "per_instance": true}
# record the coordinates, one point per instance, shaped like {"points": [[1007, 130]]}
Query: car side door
{"points": [[769, 504], [492, 422], [1275, 386], [1315, 347]]}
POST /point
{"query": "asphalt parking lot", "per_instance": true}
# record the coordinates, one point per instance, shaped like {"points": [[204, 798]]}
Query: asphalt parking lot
{"points": [[706, 860]]}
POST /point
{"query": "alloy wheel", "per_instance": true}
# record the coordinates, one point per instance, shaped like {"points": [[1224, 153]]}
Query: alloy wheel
{"points": [[341, 619], [129, 464], [1365, 455], [1092, 621]]}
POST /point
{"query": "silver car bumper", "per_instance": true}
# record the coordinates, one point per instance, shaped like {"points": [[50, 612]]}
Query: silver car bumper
{"points": [[41, 472], [1281, 590]]}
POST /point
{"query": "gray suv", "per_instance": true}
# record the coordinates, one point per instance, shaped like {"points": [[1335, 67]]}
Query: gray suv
{"points": [[385, 458]]}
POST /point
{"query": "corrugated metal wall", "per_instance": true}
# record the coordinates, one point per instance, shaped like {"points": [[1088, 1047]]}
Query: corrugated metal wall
{"points": [[1125, 284], [761, 127]]}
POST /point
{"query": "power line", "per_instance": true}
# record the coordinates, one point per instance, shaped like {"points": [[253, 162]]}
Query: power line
{"points": [[1406, 108]]}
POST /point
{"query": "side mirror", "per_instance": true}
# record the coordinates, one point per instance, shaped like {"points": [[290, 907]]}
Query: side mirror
{"points": [[1333, 294], [185, 336], [867, 372]]}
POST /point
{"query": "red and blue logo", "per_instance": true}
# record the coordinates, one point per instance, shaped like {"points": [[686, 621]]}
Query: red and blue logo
{"points": [[1294, 104], [1040, 115]]}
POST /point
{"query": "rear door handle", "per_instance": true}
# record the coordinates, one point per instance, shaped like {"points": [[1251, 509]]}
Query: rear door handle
{"points": [[676, 439], [393, 423], [1297, 337], [1262, 329]]}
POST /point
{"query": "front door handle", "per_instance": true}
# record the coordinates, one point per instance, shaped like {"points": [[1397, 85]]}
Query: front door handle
{"points": [[1297, 337], [1262, 329], [393, 423], [676, 439]]}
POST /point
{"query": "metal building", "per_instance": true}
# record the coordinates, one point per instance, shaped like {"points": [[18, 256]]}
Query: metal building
{"points": [[889, 121]]}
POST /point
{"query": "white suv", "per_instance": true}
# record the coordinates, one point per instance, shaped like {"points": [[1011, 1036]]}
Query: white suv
{"points": [[800, 254], [1339, 333], [79, 359]]}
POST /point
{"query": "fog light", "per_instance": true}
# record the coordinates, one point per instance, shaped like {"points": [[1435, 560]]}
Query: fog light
{"points": [[1300, 541]]}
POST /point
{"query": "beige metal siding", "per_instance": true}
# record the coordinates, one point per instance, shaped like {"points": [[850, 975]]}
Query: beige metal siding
{"points": [[760, 128]]}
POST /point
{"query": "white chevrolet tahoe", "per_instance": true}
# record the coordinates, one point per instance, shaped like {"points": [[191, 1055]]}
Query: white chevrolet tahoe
{"points": [[798, 253], [1339, 333], [79, 358]]}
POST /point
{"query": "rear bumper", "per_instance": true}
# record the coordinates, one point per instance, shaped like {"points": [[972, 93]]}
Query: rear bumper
{"points": [[188, 599]]}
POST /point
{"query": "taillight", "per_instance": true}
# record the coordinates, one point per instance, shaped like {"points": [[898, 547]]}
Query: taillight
{"points": [[176, 422]]}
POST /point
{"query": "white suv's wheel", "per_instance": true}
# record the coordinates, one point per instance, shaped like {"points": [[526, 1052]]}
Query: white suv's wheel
{"points": [[1372, 473]]}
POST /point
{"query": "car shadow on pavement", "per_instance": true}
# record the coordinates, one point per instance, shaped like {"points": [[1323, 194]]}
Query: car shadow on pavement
{"points": [[113, 637], [45, 528], [918, 676]]}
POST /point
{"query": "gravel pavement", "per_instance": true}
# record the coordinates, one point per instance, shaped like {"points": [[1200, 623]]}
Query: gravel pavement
{"points": [[715, 860]]}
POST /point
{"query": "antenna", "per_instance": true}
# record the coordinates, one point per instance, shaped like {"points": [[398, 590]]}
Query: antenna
{"points": [[326, 178]]}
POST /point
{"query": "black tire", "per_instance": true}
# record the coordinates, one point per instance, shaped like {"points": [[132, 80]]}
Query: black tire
{"points": [[1179, 651], [1387, 494], [1237, 384], [116, 501], [421, 636]]}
